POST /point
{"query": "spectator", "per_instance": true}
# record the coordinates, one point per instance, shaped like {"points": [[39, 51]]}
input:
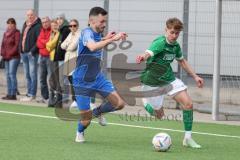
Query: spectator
{"points": [[60, 54], [11, 55], [70, 45], [54, 77], [44, 68], [30, 33]]}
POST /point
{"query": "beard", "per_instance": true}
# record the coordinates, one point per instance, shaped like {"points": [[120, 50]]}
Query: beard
{"points": [[100, 30]]}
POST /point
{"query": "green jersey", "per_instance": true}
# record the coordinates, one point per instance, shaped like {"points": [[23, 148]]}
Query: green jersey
{"points": [[158, 71]]}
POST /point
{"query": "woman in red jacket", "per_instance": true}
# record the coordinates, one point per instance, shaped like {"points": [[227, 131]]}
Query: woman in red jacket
{"points": [[11, 55]]}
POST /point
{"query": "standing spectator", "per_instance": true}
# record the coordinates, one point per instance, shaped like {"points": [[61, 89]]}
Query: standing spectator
{"points": [[54, 77], [44, 68], [30, 33], [11, 55], [60, 54], [70, 45]]}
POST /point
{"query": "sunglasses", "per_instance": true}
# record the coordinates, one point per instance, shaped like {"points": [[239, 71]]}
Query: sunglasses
{"points": [[72, 26]]}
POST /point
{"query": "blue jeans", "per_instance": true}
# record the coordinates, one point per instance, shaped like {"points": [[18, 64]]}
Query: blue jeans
{"points": [[11, 72], [30, 68], [44, 72]]}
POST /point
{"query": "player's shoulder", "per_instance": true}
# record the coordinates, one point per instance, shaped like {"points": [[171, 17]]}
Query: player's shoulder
{"points": [[87, 30], [160, 40]]}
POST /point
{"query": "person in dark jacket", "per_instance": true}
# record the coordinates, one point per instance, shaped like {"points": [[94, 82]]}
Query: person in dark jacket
{"points": [[60, 55], [30, 32], [11, 55]]}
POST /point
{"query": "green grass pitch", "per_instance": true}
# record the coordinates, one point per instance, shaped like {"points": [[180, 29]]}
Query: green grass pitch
{"points": [[24, 137]]}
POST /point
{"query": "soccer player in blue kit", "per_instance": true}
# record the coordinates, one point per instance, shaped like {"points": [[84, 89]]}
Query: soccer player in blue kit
{"points": [[88, 78]]}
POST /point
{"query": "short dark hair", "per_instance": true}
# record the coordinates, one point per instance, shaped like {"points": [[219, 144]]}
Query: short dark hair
{"points": [[96, 11], [11, 21]]}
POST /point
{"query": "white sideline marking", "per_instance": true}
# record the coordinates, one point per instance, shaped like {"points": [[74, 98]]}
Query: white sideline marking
{"points": [[124, 125]]}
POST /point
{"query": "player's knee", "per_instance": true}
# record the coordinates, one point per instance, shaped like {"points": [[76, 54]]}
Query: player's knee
{"points": [[86, 115], [120, 105], [188, 106]]}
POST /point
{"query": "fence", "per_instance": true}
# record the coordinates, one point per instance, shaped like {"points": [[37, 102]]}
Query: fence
{"points": [[144, 20]]}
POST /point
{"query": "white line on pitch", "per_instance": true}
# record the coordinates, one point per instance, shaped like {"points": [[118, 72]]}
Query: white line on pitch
{"points": [[124, 125]]}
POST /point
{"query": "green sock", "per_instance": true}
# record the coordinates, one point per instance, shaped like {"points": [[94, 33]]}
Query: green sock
{"points": [[149, 108], [93, 100], [188, 119]]}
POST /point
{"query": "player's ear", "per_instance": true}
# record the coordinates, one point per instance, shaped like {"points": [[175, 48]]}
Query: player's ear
{"points": [[166, 29], [91, 20]]}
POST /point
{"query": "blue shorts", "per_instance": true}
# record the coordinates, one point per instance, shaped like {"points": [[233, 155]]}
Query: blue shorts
{"points": [[84, 91]]}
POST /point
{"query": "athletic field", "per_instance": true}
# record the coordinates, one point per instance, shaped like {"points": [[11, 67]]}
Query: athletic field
{"points": [[34, 133]]}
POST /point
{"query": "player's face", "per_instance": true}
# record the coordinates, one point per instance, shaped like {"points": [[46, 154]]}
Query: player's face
{"points": [[100, 23], [172, 34]]}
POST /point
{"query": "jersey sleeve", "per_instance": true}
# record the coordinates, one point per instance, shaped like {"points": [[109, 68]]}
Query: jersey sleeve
{"points": [[87, 36], [179, 54], [156, 47]]}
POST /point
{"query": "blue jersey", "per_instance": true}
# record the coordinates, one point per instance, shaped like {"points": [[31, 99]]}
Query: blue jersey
{"points": [[88, 65], [87, 77]]}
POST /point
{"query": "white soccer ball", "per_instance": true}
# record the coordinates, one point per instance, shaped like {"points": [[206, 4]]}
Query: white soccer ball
{"points": [[161, 142]]}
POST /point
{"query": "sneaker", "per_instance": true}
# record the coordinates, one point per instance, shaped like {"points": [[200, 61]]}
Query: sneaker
{"points": [[27, 99], [10, 97], [42, 100], [74, 105], [189, 142], [102, 120], [92, 106], [80, 137]]}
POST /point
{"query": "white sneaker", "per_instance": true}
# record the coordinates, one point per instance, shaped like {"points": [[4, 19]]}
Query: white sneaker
{"points": [[102, 120], [74, 104], [92, 106], [80, 137], [189, 142], [27, 99]]}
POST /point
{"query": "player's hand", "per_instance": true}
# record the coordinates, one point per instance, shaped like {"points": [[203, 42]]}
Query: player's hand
{"points": [[199, 81], [139, 59], [110, 35], [120, 35]]}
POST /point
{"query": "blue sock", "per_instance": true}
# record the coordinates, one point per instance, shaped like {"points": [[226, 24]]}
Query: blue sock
{"points": [[103, 108], [81, 128]]}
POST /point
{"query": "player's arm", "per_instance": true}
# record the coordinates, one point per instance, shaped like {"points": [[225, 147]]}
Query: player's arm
{"points": [[143, 57], [185, 65], [93, 46], [155, 48]]}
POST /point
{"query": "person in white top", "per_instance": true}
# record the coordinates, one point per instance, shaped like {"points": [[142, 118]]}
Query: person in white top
{"points": [[70, 45]]}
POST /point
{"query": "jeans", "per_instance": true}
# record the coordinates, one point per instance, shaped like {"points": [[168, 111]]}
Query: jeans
{"points": [[11, 72], [55, 88], [30, 68], [44, 73]]}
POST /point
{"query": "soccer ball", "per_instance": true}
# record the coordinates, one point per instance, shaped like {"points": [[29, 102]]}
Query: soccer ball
{"points": [[161, 142]]}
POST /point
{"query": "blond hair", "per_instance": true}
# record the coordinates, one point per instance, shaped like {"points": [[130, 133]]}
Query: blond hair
{"points": [[174, 23]]}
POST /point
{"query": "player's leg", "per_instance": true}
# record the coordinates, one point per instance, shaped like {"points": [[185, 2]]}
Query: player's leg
{"points": [[153, 105], [185, 101], [114, 102], [85, 116]]}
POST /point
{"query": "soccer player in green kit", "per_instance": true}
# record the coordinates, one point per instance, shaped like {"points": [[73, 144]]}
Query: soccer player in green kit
{"points": [[158, 74]]}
